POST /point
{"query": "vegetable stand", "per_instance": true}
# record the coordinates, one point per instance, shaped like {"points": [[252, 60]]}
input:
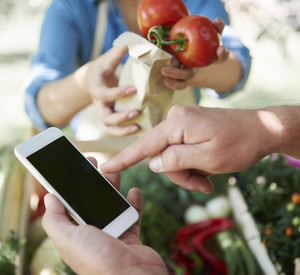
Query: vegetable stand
{"points": [[259, 199], [194, 233]]}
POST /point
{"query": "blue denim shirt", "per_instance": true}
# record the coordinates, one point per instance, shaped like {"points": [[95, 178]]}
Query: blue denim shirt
{"points": [[67, 35]]}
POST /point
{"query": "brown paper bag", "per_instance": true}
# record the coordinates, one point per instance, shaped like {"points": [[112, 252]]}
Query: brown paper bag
{"points": [[153, 99], [143, 70]]}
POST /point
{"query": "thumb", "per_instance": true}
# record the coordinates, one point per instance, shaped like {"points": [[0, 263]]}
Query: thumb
{"points": [[220, 24], [175, 158], [178, 163], [53, 205], [115, 56], [55, 217]]}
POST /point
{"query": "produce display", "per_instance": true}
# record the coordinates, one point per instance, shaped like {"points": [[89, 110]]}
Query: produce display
{"points": [[262, 202], [195, 233], [250, 224]]}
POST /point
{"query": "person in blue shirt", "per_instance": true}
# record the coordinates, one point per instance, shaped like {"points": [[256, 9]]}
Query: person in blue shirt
{"points": [[63, 79]]}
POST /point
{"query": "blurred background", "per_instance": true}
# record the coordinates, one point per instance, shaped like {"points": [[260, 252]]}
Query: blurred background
{"points": [[270, 28], [20, 22]]}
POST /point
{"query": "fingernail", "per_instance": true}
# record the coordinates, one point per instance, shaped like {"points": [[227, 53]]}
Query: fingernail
{"points": [[166, 70], [169, 81], [130, 90], [207, 188], [46, 200], [134, 129], [156, 164], [133, 114], [225, 53]]}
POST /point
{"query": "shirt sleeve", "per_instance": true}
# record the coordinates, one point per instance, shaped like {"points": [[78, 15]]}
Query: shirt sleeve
{"points": [[232, 42], [230, 38], [58, 53]]}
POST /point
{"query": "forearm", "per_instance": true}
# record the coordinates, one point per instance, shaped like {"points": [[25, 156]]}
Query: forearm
{"points": [[60, 100], [221, 77], [282, 124]]}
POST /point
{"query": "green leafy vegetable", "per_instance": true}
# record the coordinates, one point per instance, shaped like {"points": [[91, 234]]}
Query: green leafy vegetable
{"points": [[8, 253]]}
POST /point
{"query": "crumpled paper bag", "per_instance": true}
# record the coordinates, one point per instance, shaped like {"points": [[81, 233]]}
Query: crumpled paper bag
{"points": [[153, 99], [143, 70]]}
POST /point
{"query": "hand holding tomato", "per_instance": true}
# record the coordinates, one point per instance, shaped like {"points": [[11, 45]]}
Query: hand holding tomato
{"points": [[198, 36], [179, 78], [222, 52], [198, 40]]}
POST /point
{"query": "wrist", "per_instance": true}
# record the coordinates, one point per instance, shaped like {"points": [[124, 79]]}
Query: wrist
{"points": [[282, 127], [81, 79], [221, 77]]}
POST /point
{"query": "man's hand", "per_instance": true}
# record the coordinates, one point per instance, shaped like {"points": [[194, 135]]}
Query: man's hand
{"points": [[195, 142], [88, 250]]}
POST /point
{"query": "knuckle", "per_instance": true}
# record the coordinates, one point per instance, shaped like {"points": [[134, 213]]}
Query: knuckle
{"points": [[98, 95], [177, 111], [115, 131], [107, 119], [180, 85], [106, 122], [173, 159]]}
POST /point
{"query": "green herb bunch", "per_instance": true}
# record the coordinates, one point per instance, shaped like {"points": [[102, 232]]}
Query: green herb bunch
{"points": [[271, 189]]}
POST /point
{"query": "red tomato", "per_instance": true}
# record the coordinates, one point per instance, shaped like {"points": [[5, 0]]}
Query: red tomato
{"points": [[202, 41], [160, 12]]}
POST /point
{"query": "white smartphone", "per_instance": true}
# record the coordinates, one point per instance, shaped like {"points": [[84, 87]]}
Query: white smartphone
{"points": [[65, 172]]}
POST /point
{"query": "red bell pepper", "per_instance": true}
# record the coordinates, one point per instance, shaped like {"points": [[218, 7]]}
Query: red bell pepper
{"points": [[202, 231], [203, 236], [188, 231]]}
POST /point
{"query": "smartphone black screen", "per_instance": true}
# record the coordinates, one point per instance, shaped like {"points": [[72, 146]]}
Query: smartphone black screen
{"points": [[78, 182]]}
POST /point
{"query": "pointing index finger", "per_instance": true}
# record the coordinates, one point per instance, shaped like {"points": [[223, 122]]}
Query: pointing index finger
{"points": [[146, 146]]}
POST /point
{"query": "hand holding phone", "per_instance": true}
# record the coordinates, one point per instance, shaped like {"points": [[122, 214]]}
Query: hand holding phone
{"points": [[86, 194], [87, 250]]}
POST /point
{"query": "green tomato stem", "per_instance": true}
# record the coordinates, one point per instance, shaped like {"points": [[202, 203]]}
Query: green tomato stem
{"points": [[161, 35]]}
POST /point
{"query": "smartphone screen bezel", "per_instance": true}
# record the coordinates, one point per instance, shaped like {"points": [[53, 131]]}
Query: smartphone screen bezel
{"points": [[115, 228]]}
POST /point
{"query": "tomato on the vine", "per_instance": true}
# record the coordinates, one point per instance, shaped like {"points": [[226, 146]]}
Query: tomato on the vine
{"points": [[160, 12], [201, 41]]}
